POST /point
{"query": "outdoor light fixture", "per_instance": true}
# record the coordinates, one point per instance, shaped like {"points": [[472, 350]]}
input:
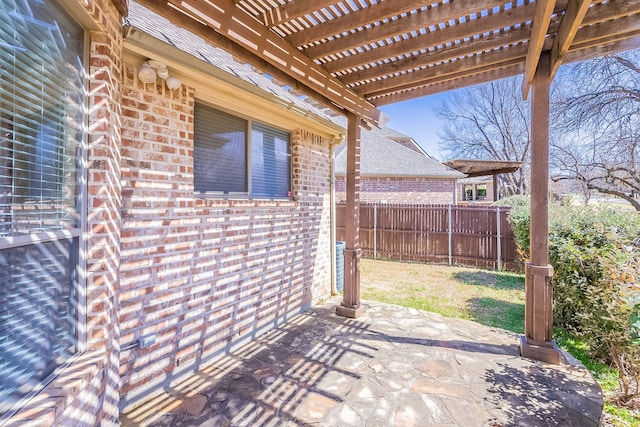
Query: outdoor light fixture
{"points": [[151, 70], [147, 74], [173, 82]]}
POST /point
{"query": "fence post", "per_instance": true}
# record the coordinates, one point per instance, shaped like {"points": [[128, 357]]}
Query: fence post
{"points": [[498, 238], [450, 237], [375, 231]]}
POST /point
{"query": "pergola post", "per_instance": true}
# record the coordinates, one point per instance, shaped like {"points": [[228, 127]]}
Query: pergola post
{"points": [[495, 187], [350, 306], [537, 342]]}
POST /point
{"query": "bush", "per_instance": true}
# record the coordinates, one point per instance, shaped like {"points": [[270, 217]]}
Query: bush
{"points": [[610, 321], [579, 239], [596, 261], [519, 219]]}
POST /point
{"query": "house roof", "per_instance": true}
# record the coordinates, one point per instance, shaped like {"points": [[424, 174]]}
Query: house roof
{"points": [[381, 156], [145, 25], [406, 140]]}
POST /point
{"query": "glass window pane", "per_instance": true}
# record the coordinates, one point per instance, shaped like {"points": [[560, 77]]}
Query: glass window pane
{"points": [[41, 115], [38, 314], [41, 103], [220, 154], [270, 162]]}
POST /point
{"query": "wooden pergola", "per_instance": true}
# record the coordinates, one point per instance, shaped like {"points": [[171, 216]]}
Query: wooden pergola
{"points": [[475, 168], [355, 55]]}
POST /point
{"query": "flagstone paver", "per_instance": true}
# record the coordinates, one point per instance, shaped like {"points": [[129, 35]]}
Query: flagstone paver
{"points": [[393, 366]]}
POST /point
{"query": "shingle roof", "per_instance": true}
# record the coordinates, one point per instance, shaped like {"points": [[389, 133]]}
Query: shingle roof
{"points": [[160, 28], [380, 156], [392, 133]]}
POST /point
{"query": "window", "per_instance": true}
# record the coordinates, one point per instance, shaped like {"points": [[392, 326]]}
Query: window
{"points": [[41, 115], [237, 157]]}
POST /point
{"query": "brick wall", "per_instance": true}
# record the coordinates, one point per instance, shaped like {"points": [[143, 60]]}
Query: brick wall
{"points": [[203, 275], [86, 393], [401, 190]]}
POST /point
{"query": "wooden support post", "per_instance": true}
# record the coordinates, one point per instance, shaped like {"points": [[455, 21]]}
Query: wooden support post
{"points": [[350, 306], [495, 187], [537, 342]]}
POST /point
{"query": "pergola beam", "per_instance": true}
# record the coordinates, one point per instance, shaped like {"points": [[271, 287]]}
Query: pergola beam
{"points": [[433, 88], [571, 21], [514, 16], [396, 27], [360, 18], [225, 25], [454, 69], [293, 10], [541, 21]]}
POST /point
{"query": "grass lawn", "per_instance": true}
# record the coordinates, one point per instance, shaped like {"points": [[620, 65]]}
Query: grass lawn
{"points": [[490, 298]]}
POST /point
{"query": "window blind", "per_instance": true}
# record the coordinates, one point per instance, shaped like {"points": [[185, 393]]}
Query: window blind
{"points": [[270, 162], [38, 315], [41, 112], [221, 163], [220, 152]]}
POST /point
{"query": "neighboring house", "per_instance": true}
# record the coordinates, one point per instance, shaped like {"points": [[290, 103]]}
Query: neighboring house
{"points": [[394, 169], [401, 139], [477, 189], [126, 258], [481, 182]]}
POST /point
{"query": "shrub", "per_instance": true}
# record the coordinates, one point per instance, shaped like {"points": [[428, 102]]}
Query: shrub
{"points": [[596, 261], [610, 322], [579, 238], [519, 219]]}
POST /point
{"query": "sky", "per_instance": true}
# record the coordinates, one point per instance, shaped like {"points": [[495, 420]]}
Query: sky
{"points": [[416, 118]]}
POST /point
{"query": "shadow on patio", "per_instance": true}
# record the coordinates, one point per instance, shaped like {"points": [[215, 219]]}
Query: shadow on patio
{"points": [[392, 366]]}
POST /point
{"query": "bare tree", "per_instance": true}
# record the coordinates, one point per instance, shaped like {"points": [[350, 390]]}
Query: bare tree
{"points": [[596, 134], [489, 122]]}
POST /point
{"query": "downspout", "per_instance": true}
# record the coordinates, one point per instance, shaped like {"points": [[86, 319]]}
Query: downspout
{"points": [[332, 201]]}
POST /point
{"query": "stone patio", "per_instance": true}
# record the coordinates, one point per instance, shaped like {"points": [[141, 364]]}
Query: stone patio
{"points": [[393, 366]]}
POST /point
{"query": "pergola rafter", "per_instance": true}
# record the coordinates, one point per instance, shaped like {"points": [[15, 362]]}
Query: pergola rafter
{"points": [[354, 55], [541, 21], [477, 44], [421, 20], [573, 17], [469, 65]]}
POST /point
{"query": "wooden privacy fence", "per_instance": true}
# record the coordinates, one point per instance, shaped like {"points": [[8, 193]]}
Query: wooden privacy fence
{"points": [[454, 234]]}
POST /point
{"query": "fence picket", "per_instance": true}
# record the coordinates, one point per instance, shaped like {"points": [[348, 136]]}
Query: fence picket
{"points": [[477, 236]]}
